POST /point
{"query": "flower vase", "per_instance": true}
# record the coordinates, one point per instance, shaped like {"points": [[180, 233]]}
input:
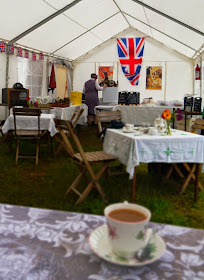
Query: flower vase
{"points": [[168, 129]]}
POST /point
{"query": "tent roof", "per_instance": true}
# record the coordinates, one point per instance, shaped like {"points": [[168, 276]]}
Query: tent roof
{"points": [[70, 29]]}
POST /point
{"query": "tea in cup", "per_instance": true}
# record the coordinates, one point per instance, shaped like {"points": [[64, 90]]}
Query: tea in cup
{"points": [[129, 126], [127, 225]]}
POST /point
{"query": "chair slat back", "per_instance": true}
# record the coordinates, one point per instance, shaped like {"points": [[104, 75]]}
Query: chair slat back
{"points": [[64, 131], [77, 142], [28, 112], [198, 124], [107, 116]]}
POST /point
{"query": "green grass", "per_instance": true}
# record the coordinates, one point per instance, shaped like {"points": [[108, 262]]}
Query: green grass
{"points": [[44, 186]]}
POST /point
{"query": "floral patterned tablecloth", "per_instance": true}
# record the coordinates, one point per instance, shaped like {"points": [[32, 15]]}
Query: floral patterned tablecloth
{"points": [[38, 244]]}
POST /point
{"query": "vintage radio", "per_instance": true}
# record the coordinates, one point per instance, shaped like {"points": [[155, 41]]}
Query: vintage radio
{"points": [[15, 97], [122, 98], [188, 103], [197, 104], [133, 98]]}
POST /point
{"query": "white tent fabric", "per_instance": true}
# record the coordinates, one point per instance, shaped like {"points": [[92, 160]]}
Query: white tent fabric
{"points": [[85, 24]]}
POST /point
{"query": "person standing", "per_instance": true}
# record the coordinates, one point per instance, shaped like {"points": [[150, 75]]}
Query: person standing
{"points": [[91, 88]]}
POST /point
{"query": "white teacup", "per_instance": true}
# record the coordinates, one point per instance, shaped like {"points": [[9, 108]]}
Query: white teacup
{"points": [[129, 126], [127, 235], [153, 131]]}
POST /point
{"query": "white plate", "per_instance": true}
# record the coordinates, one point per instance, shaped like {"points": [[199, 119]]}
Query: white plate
{"points": [[99, 243]]}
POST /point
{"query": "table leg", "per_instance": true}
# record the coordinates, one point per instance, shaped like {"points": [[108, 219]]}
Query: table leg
{"points": [[133, 184], [196, 182]]}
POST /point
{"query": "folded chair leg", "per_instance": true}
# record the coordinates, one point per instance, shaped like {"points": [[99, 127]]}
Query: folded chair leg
{"points": [[75, 183], [17, 150], [188, 178], [95, 182]]}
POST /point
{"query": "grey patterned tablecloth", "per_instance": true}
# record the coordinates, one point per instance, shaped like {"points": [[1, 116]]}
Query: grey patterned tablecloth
{"points": [[37, 244]]}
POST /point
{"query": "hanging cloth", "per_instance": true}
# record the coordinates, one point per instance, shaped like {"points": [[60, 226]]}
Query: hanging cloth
{"points": [[52, 83]]}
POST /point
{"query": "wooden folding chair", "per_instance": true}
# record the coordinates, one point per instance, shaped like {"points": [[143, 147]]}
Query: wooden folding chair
{"points": [[44, 108], [84, 161], [59, 136], [22, 134]]}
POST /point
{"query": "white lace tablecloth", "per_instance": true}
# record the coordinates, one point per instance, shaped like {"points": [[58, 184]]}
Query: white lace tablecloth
{"points": [[38, 244], [30, 123], [67, 112], [138, 114], [131, 149]]}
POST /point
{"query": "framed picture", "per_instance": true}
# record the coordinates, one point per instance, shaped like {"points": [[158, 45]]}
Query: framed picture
{"points": [[154, 77], [105, 73]]}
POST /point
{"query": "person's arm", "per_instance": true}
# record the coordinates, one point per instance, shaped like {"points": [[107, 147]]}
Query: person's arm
{"points": [[98, 87]]}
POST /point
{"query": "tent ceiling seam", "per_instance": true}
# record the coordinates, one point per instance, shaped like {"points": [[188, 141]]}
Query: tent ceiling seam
{"points": [[169, 17], [148, 21], [43, 21], [74, 60], [160, 32], [122, 13], [86, 32]]}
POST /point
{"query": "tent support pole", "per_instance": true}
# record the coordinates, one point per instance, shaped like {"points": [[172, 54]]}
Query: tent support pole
{"points": [[7, 65], [201, 75]]}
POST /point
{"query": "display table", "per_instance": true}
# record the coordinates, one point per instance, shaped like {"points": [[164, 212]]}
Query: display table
{"points": [[46, 244], [67, 113], [30, 123], [138, 114]]}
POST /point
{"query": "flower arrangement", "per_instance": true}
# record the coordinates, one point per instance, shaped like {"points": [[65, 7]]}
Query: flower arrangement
{"points": [[171, 117], [31, 104]]}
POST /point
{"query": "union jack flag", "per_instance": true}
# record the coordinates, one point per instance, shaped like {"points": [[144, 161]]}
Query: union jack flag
{"points": [[26, 54], [130, 52], [11, 49], [2, 46], [41, 56], [19, 53], [34, 56]]}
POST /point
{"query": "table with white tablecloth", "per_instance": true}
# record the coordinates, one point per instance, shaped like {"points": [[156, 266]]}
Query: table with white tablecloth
{"points": [[30, 123], [138, 114], [42, 244], [66, 113]]}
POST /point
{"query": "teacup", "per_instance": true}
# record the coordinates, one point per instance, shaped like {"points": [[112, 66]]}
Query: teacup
{"points": [[153, 131], [129, 126], [127, 228]]}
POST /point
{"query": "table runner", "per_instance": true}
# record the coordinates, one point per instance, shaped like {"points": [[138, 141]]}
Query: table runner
{"points": [[39, 244]]}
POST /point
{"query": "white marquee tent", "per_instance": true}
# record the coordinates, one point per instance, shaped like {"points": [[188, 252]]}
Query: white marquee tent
{"points": [[84, 32]]}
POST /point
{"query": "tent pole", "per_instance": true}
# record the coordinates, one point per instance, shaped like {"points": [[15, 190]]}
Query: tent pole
{"points": [[201, 75], [7, 64]]}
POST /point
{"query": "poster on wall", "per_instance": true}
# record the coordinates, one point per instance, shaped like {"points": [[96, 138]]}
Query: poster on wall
{"points": [[105, 73], [154, 77]]}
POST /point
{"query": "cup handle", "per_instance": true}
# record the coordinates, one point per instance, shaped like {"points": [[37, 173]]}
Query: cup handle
{"points": [[149, 235]]}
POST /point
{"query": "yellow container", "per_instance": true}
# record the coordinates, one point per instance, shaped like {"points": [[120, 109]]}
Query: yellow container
{"points": [[76, 97]]}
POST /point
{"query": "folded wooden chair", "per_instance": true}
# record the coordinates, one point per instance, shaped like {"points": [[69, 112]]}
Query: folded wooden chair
{"points": [[23, 134], [84, 161], [59, 136]]}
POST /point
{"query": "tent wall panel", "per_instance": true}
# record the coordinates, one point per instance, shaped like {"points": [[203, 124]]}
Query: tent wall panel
{"points": [[155, 54]]}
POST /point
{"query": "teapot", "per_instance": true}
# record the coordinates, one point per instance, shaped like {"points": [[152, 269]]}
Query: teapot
{"points": [[160, 124], [39, 99], [46, 99]]}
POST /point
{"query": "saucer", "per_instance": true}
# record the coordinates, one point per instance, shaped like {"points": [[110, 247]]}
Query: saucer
{"points": [[129, 131], [99, 243]]}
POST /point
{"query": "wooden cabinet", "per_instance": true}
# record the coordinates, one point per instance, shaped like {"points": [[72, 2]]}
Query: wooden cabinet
{"points": [[15, 97]]}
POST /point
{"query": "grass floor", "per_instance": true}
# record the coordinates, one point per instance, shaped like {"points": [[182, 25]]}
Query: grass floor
{"points": [[44, 186]]}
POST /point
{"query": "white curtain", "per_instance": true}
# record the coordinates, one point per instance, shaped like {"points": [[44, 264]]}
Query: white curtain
{"points": [[69, 81]]}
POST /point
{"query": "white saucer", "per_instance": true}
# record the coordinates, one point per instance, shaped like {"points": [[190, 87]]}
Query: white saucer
{"points": [[129, 131], [98, 241]]}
